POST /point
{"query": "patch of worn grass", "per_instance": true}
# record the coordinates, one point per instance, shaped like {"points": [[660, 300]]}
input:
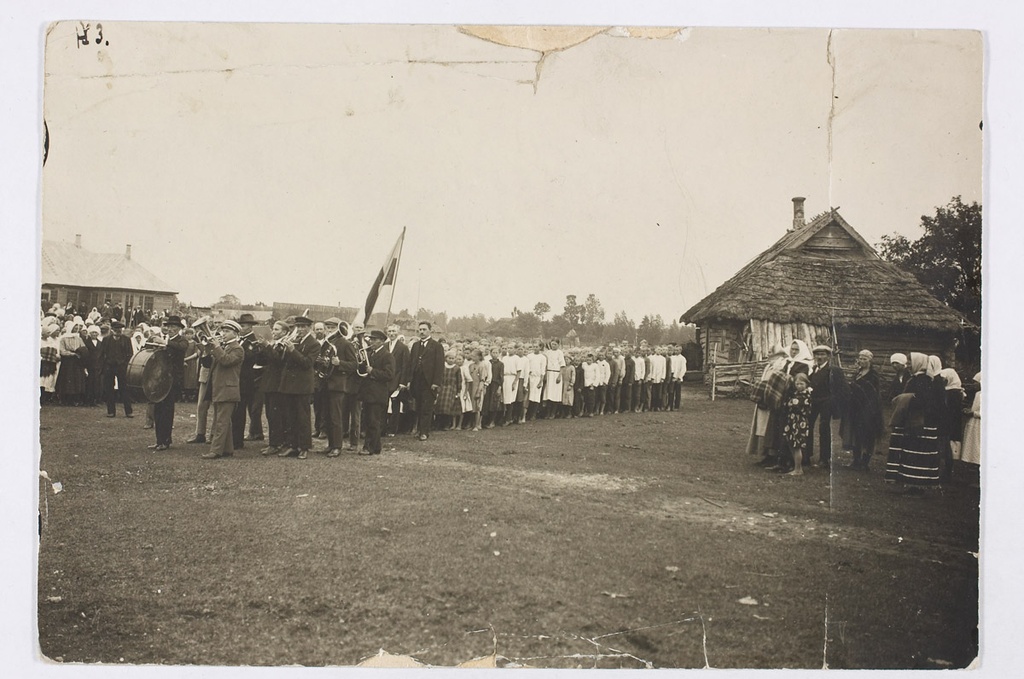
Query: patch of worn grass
{"points": [[619, 541]]}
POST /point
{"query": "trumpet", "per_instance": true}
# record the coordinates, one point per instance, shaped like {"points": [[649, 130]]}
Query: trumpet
{"points": [[287, 340]]}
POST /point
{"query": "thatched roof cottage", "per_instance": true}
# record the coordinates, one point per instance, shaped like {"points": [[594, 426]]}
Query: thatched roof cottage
{"points": [[824, 284]]}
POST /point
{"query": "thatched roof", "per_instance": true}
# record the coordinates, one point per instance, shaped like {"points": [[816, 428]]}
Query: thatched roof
{"points": [[790, 283]]}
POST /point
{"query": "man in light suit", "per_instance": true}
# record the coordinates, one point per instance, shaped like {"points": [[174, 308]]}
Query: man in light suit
{"points": [[399, 403], [227, 365], [375, 388], [423, 376]]}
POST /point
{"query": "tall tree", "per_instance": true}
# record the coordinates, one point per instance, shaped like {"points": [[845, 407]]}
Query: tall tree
{"points": [[541, 309], [621, 328], [593, 312], [572, 312], [946, 259]]}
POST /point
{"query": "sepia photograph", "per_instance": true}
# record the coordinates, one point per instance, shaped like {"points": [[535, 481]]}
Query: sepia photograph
{"points": [[477, 345]]}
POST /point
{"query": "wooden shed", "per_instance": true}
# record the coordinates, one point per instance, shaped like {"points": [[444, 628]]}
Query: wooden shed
{"points": [[824, 284]]}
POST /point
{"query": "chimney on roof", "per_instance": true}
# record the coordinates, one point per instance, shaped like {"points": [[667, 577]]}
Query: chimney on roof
{"points": [[128, 251], [798, 213], [78, 241]]}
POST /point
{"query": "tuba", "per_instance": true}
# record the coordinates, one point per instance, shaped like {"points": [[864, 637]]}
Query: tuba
{"points": [[323, 364], [362, 356], [203, 333]]}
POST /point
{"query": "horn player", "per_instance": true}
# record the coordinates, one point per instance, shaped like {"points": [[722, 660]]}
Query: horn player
{"points": [[341, 388], [298, 355]]}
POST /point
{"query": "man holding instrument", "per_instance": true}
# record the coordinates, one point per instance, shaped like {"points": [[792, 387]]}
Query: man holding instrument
{"points": [[175, 347], [227, 364], [297, 388]]}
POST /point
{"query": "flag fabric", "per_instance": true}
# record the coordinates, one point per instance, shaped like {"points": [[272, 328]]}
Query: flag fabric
{"points": [[384, 286]]}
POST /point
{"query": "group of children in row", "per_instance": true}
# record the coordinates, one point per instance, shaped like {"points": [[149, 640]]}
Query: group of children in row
{"points": [[497, 385]]}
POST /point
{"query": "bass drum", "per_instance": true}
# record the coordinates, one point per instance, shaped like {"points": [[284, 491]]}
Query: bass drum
{"points": [[149, 375]]}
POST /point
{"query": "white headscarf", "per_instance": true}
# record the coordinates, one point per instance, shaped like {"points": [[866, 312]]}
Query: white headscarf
{"points": [[934, 366], [952, 379], [918, 363], [804, 354]]}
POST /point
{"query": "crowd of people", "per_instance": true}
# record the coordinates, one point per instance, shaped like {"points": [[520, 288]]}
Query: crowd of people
{"points": [[930, 423], [308, 383], [331, 380]]}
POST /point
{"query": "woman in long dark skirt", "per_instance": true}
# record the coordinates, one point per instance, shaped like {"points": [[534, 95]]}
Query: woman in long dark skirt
{"points": [[913, 445]]}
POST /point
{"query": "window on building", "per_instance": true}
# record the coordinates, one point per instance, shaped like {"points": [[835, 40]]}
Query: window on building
{"points": [[147, 303]]}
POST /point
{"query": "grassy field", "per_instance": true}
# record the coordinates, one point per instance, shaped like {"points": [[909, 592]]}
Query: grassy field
{"points": [[621, 541]]}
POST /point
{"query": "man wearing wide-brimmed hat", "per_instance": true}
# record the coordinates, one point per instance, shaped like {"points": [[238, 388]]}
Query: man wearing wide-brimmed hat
{"points": [[175, 348], [375, 389]]}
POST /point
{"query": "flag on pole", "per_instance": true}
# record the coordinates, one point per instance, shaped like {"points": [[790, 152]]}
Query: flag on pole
{"points": [[384, 286]]}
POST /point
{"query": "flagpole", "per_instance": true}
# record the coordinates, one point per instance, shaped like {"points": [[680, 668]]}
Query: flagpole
{"points": [[394, 283]]}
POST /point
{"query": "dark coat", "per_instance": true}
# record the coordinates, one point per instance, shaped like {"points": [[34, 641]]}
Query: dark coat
{"points": [[115, 351], [227, 363], [428, 363], [176, 349], [401, 355], [297, 374], [630, 371], [343, 379], [376, 387], [248, 374], [273, 367], [863, 418]]}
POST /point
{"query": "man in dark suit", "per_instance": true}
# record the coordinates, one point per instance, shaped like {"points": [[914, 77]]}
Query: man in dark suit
{"points": [[175, 348], [337, 384], [400, 403], [115, 352], [825, 380], [375, 388], [93, 365], [246, 379], [224, 375], [297, 388], [423, 376], [272, 360]]}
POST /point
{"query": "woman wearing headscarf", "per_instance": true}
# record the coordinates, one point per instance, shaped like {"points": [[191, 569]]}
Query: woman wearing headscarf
{"points": [[951, 423], [913, 444], [71, 380], [49, 361], [970, 450], [862, 422], [799, 362], [760, 440]]}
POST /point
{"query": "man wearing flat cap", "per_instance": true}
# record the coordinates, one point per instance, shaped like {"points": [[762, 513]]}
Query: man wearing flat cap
{"points": [[175, 348], [115, 351], [227, 364], [828, 386], [375, 389], [297, 388]]}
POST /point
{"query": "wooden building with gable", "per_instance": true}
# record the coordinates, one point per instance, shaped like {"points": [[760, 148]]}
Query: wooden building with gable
{"points": [[70, 273], [824, 284]]}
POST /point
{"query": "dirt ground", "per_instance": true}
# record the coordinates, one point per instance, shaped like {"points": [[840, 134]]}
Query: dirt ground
{"points": [[638, 540]]}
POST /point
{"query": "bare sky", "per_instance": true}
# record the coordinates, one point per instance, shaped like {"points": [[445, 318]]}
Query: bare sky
{"points": [[280, 162]]}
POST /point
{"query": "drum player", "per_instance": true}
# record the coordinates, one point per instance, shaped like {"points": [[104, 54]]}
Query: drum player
{"points": [[175, 346]]}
